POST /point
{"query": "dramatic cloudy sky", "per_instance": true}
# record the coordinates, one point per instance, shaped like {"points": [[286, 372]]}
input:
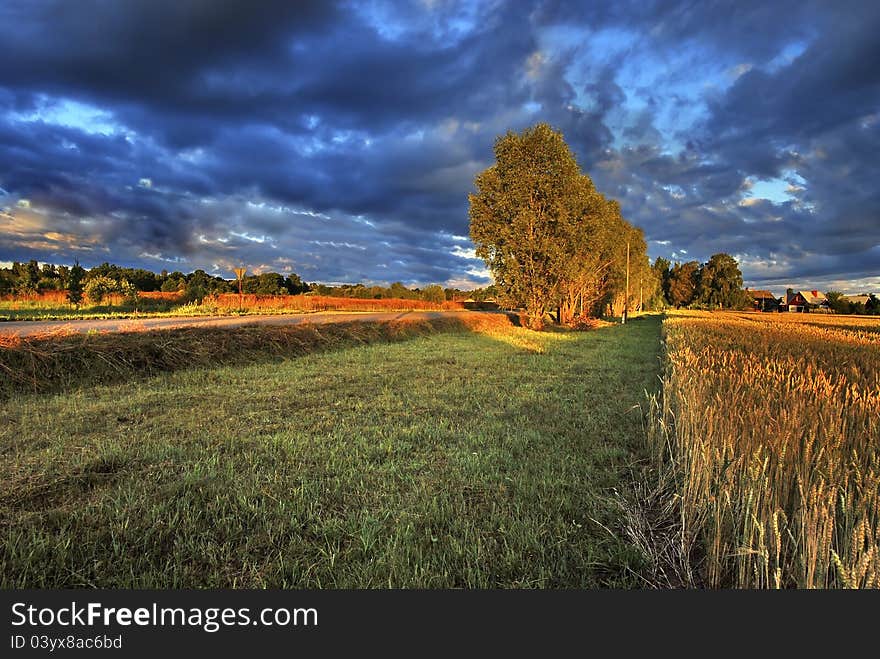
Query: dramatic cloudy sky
{"points": [[341, 141]]}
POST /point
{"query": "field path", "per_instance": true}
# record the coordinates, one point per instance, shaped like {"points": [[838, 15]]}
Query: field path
{"points": [[32, 327]]}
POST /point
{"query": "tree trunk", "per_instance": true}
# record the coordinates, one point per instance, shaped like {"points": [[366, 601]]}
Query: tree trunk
{"points": [[535, 313]]}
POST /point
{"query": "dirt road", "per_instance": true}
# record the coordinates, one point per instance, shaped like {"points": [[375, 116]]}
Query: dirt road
{"points": [[29, 328]]}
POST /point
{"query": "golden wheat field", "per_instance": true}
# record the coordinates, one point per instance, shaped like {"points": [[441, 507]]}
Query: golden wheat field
{"points": [[768, 425]]}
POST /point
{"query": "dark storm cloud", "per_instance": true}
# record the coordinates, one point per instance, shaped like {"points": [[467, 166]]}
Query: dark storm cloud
{"points": [[340, 140], [754, 28], [812, 115], [816, 117]]}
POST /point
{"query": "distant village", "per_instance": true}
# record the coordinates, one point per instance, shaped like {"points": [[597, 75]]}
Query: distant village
{"points": [[806, 301]]}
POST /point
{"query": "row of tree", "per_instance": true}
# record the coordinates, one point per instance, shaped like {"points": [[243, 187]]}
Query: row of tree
{"points": [[31, 278], [431, 293], [551, 240], [554, 242]]}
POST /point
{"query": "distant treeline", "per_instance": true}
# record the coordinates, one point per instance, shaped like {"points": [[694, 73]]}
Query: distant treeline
{"points": [[843, 304], [432, 293], [31, 278], [716, 283]]}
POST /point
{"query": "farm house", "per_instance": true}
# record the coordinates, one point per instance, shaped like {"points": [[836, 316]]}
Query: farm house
{"points": [[763, 300], [803, 301]]}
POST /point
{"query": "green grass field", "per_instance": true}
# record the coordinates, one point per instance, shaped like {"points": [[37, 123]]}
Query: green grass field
{"points": [[460, 459]]}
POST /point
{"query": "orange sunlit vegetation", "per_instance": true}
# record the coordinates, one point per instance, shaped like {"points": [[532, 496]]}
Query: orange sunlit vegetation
{"points": [[45, 297], [53, 305], [296, 303]]}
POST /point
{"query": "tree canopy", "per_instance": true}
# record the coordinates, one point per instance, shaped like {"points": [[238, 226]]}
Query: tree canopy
{"points": [[683, 281], [714, 284], [720, 283], [550, 239]]}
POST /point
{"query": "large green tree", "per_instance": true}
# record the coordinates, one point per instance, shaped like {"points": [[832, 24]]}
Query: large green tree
{"points": [[720, 283], [26, 277], [550, 239], [683, 280], [100, 287], [641, 277], [837, 302], [267, 283], [592, 269], [518, 213], [434, 293]]}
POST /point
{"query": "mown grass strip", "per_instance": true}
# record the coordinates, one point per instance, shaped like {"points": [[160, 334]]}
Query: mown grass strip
{"points": [[459, 459]]}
